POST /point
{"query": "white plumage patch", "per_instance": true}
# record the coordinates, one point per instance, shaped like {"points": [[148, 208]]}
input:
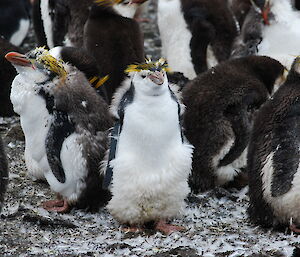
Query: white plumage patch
{"points": [[75, 169], [175, 37], [47, 22], [281, 39], [18, 37], [152, 164], [35, 121], [287, 205]]}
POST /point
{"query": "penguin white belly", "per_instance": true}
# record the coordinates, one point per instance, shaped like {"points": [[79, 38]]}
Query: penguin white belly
{"points": [[75, 168], [18, 37], [287, 205], [281, 41], [35, 121], [47, 22], [152, 165], [175, 37]]}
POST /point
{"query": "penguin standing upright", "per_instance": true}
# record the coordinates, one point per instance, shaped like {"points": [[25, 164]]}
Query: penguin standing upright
{"points": [[114, 38], [220, 107], [76, 131], [195, 35], [273, 158], [14, 20], [7, 74], [278, 31], [3, 173], [151, 161]]}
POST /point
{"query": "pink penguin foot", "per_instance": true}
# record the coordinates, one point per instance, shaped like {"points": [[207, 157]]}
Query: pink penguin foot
{"points": [[58, 205], [166, 228], [294, 228], [132, 229]]}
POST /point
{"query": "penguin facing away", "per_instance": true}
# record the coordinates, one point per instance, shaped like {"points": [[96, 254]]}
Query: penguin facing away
{"points": [[114, 38], [76, 130], [14, 20], [218, 120], [7, 74], [152, 160], [195, 34], [274, 176], [3, 173]]}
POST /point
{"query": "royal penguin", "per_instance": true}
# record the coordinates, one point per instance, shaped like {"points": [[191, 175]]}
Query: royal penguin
{"points": [[114, 38], [76, 130], [3, 173], [33, 105], [14, 20], [7, 74], [149, 159], [273, 158], [279, 23], [220, 105], [195, 34]]}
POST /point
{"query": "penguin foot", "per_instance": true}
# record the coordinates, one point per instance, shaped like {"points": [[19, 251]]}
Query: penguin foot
{"points": [[132, 229], [60, 206], [166, 228], [294, 228]]}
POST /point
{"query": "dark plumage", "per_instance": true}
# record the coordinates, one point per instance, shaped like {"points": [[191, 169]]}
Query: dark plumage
{"points": [[220, 105], [7, 74], [3, 173], [115, 41], [273, 157], [210, 22]]}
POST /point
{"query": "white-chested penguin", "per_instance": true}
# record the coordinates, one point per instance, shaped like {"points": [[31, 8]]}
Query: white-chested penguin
{"points": [[149, 159], [195, 34], [3, 173], [273, 158], [218, 120], [7, 74], [277, 30], [114, 38], [14, 20], [76, 130]]}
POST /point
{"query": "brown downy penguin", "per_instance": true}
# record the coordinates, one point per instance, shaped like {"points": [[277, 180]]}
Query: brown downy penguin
{"points": [[114, 38], [195, 34], [220, 106], [149, 159], [273, 158], [7, 74], [3, 173], [76, 123]]}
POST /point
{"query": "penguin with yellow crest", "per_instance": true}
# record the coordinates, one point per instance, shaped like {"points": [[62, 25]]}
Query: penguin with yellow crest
{"points": [[65, 123], [149, 160]]}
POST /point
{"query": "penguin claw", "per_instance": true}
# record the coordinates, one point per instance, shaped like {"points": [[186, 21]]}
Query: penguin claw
{"points": [[60, 206], [166, 228]]}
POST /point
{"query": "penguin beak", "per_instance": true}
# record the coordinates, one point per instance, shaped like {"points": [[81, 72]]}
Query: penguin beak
{"points": [[18, 59], [157, 77], [265, 13]]}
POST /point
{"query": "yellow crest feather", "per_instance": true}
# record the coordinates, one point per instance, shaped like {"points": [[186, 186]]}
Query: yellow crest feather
{"points": [[108, 2], [161, 64]]}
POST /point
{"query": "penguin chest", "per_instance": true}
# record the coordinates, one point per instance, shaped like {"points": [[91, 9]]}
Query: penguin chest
{"points": [[175, 37]]}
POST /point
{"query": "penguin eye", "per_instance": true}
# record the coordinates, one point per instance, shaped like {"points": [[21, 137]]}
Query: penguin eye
{"points": [[143, 76]]}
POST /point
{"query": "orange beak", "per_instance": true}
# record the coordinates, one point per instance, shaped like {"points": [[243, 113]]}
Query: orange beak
{"points": [[265, 14], [18, 59], [157, 77]]}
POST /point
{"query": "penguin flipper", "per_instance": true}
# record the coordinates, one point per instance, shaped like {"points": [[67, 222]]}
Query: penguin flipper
{"points": [[59, 130], [286, 152]]}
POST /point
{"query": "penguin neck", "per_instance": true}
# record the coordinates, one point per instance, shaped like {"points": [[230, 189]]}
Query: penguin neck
{"points": [[127, 11], [151, 96]]}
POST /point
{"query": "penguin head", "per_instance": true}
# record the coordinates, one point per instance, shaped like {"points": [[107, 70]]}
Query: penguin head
{"points": [[262, 7], [125, 8], [37, 65], [149, 77]]}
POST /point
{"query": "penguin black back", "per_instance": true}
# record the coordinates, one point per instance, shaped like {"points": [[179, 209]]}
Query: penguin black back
{"points": [[3, 173], [210, 22], [220, 105], [7, 74], [274, 156], [115, 42]]}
